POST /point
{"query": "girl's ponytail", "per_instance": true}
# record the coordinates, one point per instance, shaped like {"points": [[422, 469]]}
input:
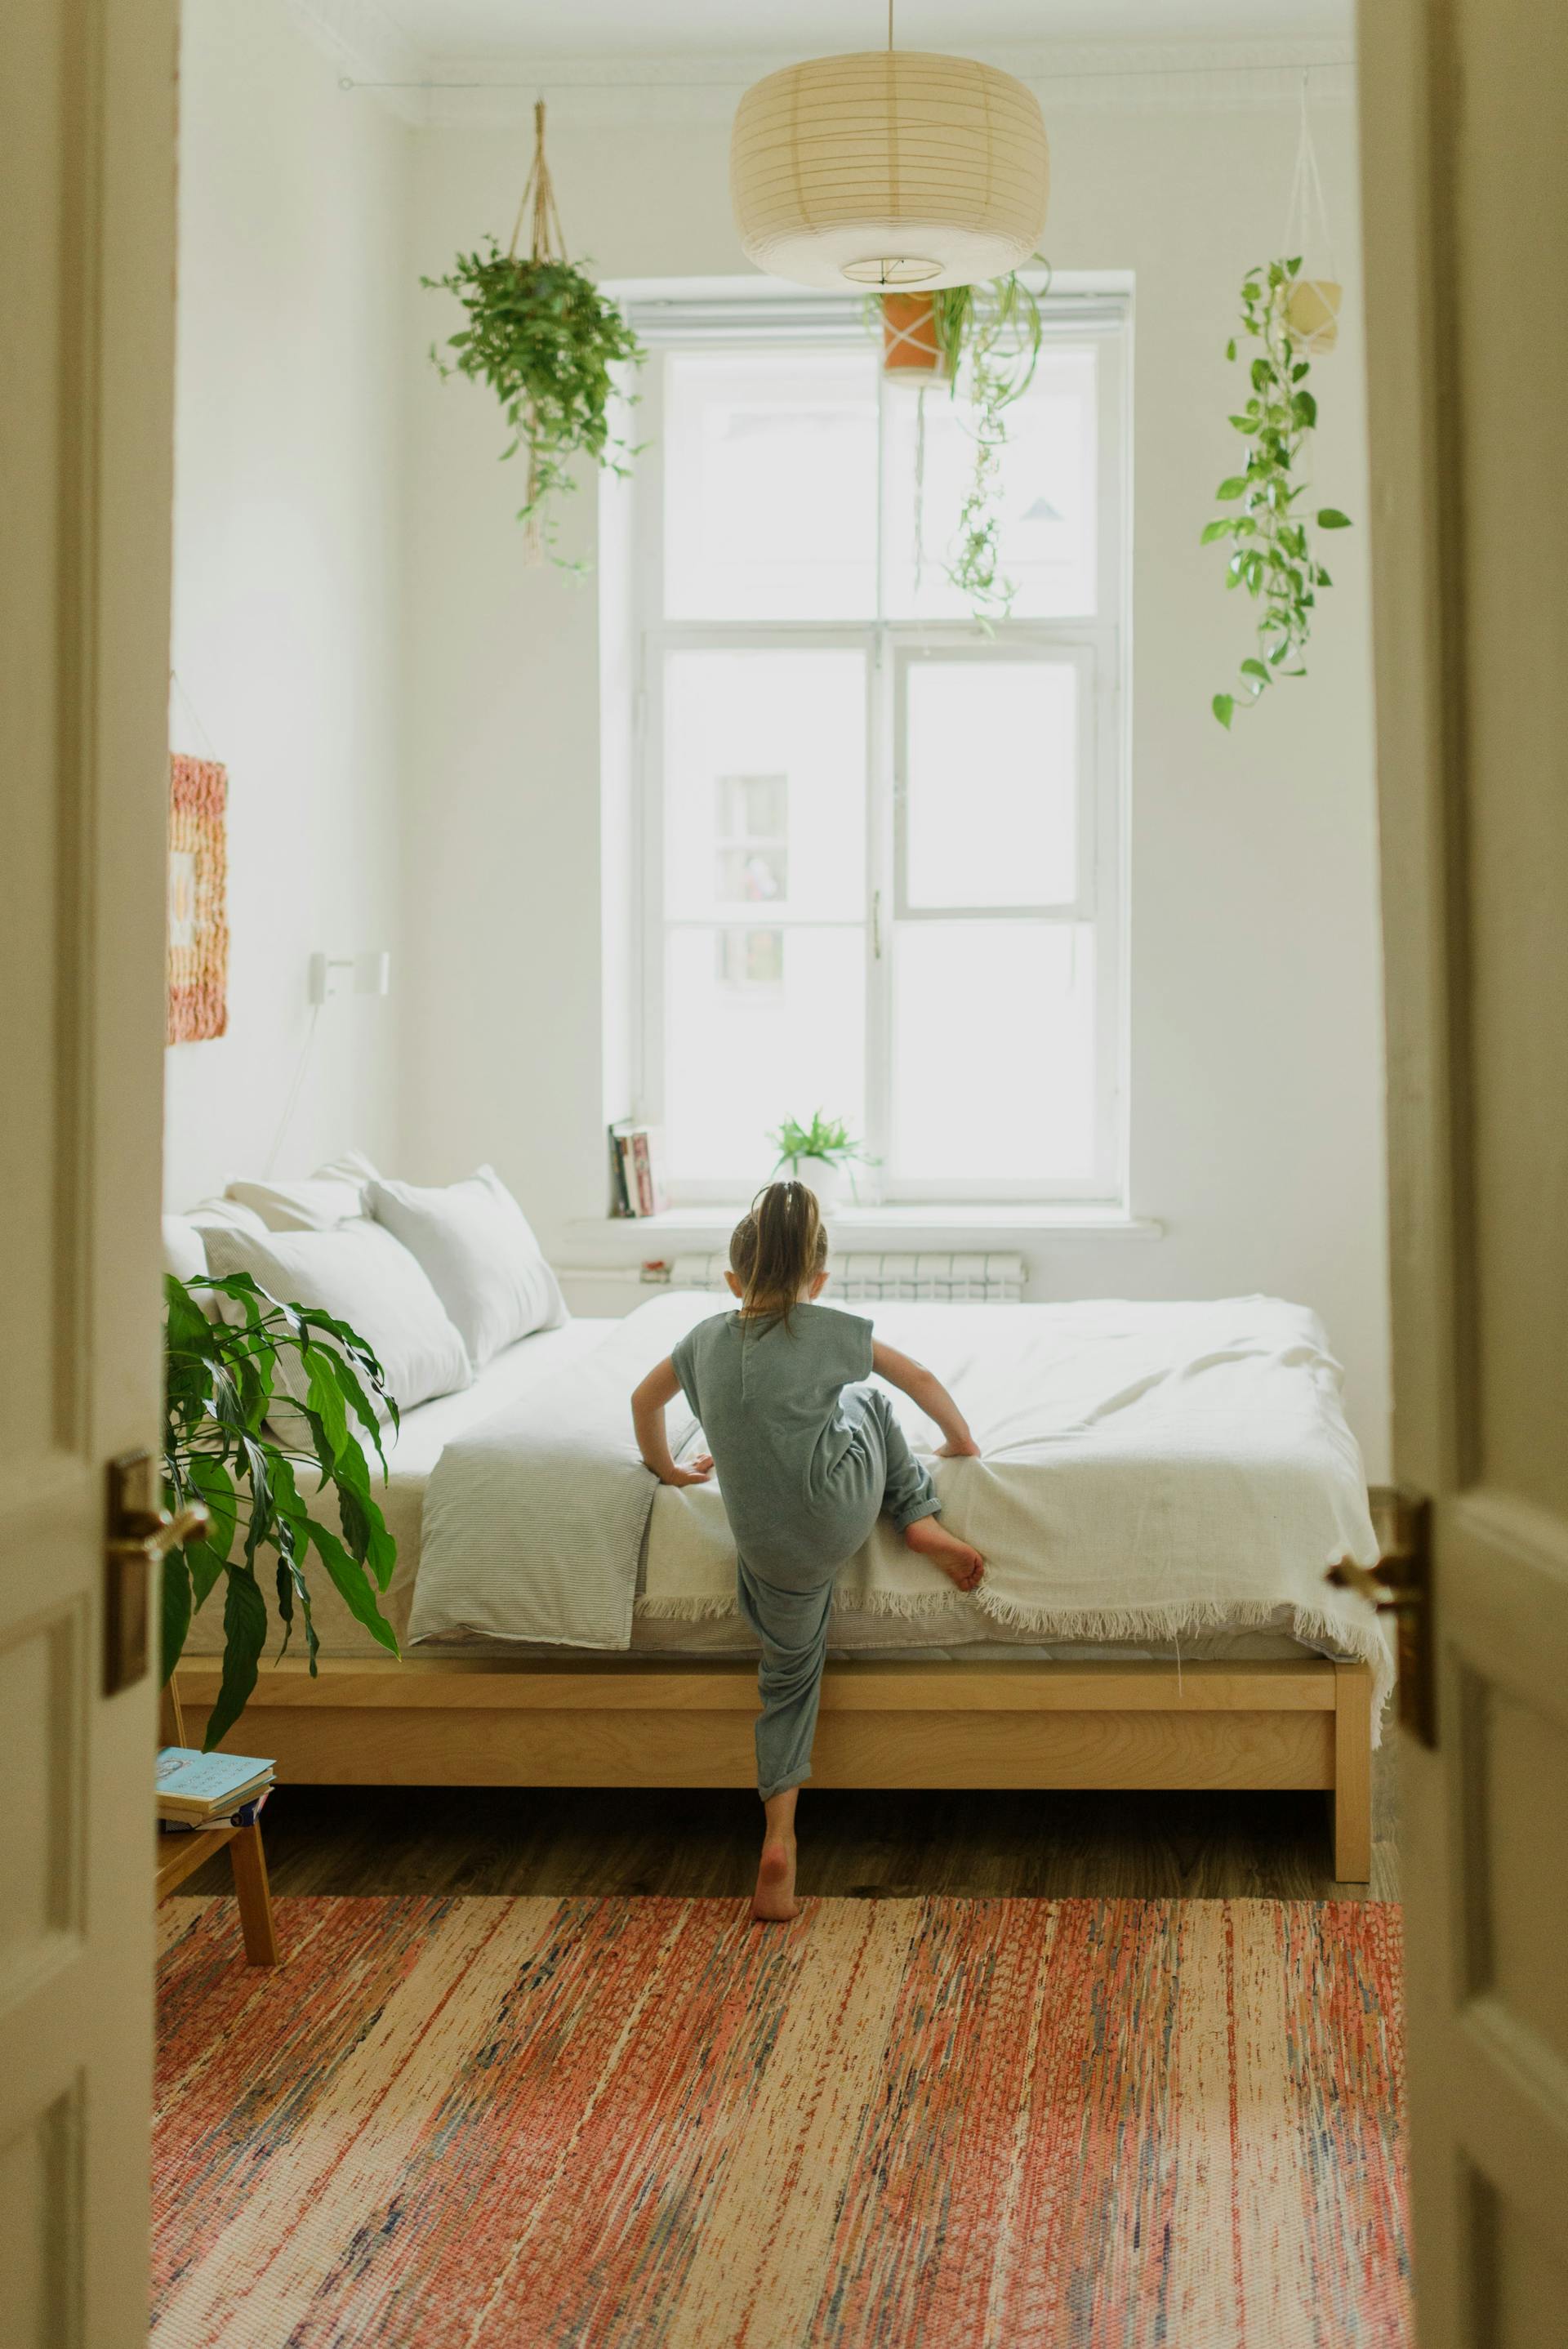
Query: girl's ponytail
{"points": [[777, 1249]]}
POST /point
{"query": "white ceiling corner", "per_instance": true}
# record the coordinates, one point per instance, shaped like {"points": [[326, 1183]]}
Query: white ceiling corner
{"points": [[371, 50]]}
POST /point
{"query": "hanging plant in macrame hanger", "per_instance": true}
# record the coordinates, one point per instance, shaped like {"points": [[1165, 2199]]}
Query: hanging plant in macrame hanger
{"points": [[546, 341], [1291, 316]]}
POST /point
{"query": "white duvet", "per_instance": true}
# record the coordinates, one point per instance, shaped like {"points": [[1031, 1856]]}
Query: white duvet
{"points": [[1147, 1472]]}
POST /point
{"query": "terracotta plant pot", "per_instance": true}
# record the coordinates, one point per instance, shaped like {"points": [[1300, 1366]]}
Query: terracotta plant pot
{"points": [[909, 335], [1312, 314]]}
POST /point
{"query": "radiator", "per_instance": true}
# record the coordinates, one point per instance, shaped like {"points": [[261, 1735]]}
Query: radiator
{"points": [[865, 1276]]}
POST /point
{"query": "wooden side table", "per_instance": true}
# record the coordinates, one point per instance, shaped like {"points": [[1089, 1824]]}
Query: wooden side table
{"points": [[178, 1856]]}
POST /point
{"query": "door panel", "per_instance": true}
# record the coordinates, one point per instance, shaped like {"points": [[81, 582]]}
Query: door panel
{"points": [[1466, 204], [86, 172]]}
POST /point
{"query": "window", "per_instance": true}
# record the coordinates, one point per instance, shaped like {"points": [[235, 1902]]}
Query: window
{"points": [[876, 845]]}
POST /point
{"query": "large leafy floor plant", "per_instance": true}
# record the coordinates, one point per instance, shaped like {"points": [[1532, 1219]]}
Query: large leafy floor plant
{"points": [[1272, 554], [547, 343], [222, 1378]]}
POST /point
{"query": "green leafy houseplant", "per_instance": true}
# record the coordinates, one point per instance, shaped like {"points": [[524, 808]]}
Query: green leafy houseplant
{"points": [[988, 340], [1272, 554], [828, 1139], [221, 1380], [546, 341]]}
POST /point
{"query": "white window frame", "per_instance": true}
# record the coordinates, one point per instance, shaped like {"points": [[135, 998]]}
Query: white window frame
{"points": [[744, 319]]}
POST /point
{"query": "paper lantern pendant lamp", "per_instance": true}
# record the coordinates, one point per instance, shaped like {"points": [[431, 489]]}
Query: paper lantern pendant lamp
{"points": [[889, 167]]}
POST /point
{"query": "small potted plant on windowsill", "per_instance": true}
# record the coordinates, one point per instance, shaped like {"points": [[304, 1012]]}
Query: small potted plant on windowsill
{"points": [[824, 1156]]}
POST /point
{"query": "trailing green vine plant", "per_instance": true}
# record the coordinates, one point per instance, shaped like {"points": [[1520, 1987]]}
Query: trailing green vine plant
{"points": [[988, 341], [545, 339], [994, 330], [1272, 554]]}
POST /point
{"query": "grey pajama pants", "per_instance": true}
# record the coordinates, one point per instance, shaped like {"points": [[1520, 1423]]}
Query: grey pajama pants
{"points": [[787, 1606]]}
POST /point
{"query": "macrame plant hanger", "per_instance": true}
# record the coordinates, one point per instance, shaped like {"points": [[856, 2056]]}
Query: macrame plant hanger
{"points": [[546, 242], [1312, 312]]}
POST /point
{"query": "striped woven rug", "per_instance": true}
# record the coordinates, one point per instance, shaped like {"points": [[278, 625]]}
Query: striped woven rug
{"points": [[496, 2122]]}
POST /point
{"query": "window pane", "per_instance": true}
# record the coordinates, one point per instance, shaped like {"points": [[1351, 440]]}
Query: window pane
{"points": [[993, 1054], [765, 784], [762, 1024], [991, 783], [1045, 494], [770, 485]]}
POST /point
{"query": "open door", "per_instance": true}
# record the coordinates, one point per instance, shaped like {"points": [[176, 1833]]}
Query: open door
{"points": [[1466, 203], [87, 267]]}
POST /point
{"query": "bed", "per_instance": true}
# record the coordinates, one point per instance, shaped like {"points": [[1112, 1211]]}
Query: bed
{"points": [[1161, 1490]]}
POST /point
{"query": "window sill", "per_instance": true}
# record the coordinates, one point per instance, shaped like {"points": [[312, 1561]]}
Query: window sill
{"points": [[955, 1221]]}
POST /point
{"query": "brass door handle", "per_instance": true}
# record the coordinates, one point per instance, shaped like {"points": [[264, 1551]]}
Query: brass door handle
{"points": [[138, 1534], [1400, 1585], [1368, 1582], [162, 1534]]}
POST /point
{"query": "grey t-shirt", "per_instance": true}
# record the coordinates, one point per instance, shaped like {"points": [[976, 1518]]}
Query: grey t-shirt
{"points": [[798, 1476]]}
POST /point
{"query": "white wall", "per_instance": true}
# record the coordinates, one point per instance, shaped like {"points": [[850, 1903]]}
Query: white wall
{"points": [[292, 324], [1256, 1014]]}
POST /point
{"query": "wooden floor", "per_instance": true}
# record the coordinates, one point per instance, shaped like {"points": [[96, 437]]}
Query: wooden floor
{"points": [[1204, 1846]]}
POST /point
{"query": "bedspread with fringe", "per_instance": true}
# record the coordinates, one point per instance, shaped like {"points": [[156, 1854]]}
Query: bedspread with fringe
{"points": [[1148, 1472]]}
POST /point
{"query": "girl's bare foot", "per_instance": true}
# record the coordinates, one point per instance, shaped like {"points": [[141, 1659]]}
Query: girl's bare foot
{"points": [[959, 1563], [774, 1901]]}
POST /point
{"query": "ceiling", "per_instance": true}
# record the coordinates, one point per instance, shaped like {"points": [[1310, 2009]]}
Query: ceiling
{"points": [[499, 29]]}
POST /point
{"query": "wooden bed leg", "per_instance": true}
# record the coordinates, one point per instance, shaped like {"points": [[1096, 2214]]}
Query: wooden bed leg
{"points": [[249, 1862], [1352, 1795]]}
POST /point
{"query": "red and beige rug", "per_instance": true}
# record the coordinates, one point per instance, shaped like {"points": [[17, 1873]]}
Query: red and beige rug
{"points": [[1044, 2124]]}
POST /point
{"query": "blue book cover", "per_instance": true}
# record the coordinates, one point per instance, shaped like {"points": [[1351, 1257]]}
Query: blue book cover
{"points": [[199, 1781]]}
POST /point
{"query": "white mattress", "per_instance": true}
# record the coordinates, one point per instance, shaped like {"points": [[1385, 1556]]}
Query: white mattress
{"points": [[535, 1361]]}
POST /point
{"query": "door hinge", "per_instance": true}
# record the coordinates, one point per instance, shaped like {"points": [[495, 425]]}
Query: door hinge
{"points": [[1400, 1585], [139, 1534]]}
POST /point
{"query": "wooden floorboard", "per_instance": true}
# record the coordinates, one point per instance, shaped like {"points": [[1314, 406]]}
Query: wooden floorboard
{"points": [[860, 1845]]}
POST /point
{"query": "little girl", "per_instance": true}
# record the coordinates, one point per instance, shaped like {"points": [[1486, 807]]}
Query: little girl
{"points": [[809, 1457]]}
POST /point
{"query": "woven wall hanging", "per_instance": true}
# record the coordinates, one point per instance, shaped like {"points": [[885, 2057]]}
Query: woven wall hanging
{"points": [[198, 886]]}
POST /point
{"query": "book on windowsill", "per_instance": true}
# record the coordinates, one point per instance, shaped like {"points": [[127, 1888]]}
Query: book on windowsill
{"points": [[197, 1788], [637, 1169], [245, 1816]]}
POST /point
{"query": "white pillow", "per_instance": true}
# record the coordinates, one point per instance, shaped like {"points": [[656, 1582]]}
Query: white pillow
{"points": [[358, 1274], [330, 1196], [185, 1242], [483, 1262], [183, 1253]]}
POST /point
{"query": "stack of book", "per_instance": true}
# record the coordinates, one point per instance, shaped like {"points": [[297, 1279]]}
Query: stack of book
{"points": [[209, 1790], [637, 1170]]}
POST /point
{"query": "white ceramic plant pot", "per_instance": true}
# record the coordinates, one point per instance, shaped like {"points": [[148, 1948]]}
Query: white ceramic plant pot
{"points": [[828, 1178]]}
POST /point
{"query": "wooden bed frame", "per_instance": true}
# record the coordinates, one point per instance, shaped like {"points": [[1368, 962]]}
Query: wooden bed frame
{"points": [[642, 1722]]}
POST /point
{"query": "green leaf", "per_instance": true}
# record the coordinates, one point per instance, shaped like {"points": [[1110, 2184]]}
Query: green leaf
{"points": [[353, 1585], [245, 1637], [1225, 708], [174, 1611], [1213, 529], [1256, 669], [1232, 487], [1304, 408], [1330, 518]]}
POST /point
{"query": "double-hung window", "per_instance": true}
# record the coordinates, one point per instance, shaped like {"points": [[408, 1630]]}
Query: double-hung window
{"points": [[876, 861]]}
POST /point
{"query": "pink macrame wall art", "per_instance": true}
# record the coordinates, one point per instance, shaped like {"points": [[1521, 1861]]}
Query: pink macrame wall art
{"points": [[198, 919]]}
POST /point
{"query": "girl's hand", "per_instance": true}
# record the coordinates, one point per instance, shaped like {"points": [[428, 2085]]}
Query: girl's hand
{"points": [[958, 1447], [698, 1472]]}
